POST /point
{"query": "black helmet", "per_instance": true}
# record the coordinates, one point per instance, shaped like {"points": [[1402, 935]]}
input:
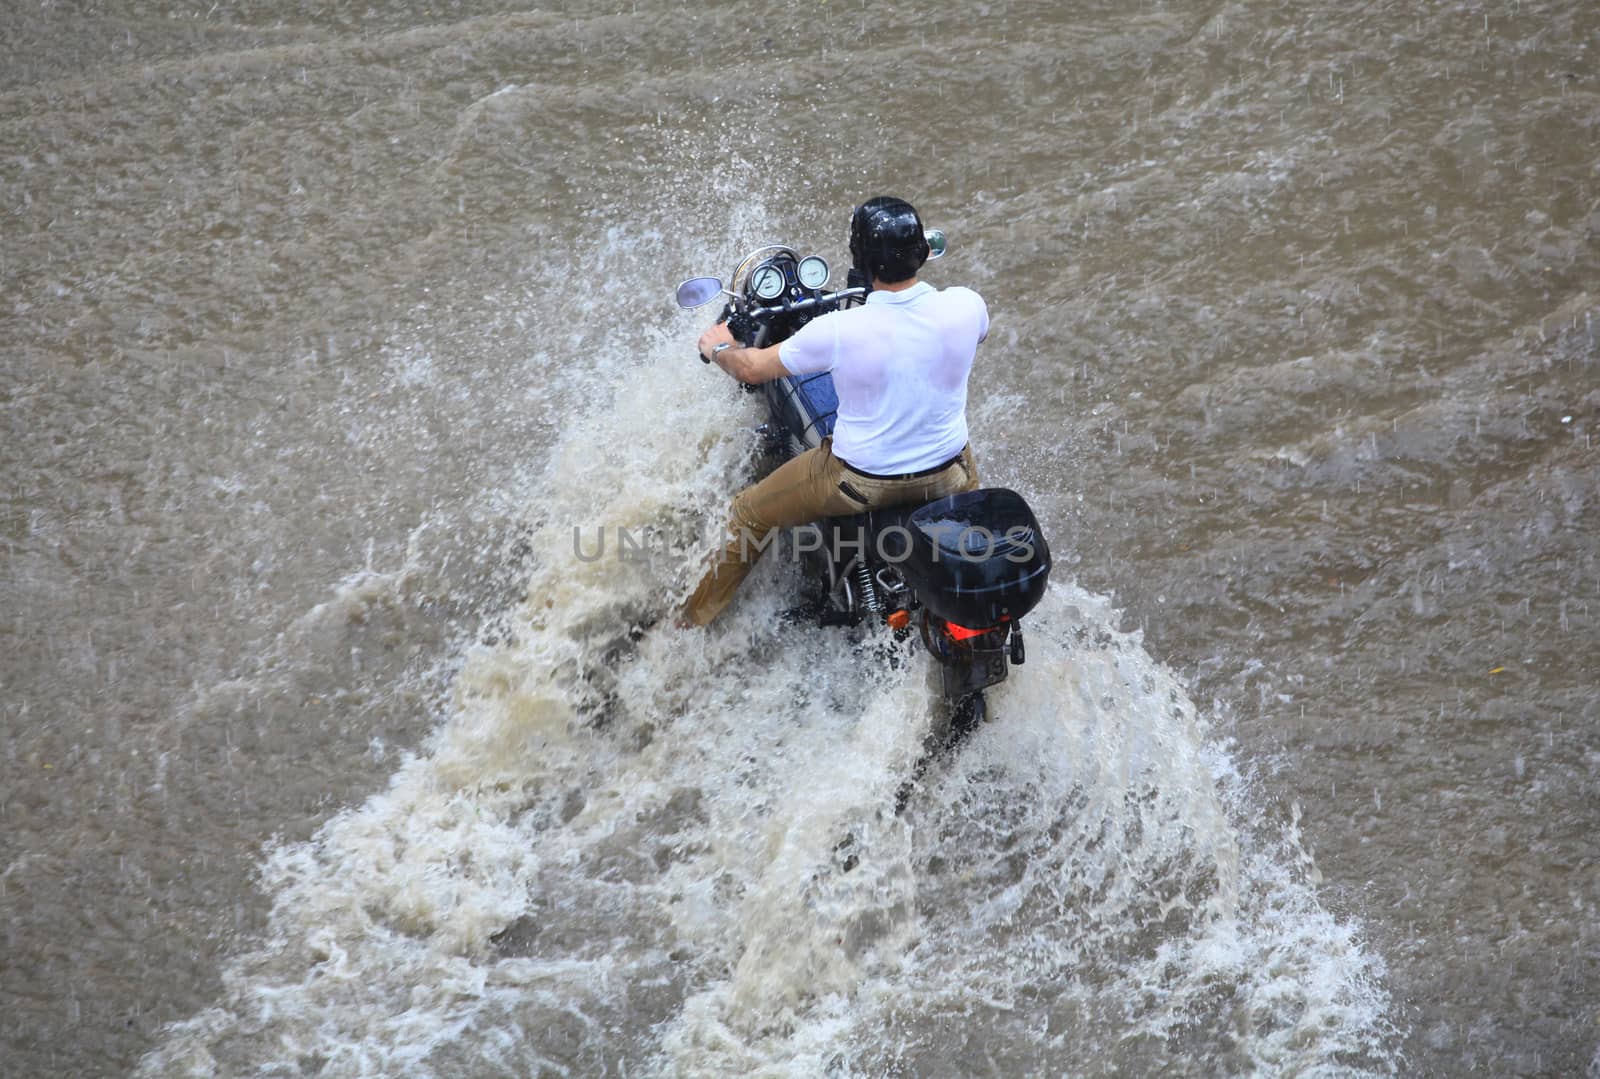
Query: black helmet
{"points": [[886, 239]]}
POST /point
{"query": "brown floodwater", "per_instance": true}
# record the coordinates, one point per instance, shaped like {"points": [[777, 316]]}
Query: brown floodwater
{"points": [[322, 327]]}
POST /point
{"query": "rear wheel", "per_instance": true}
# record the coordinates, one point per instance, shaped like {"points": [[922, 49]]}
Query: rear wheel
{"points": [[953, 723]]}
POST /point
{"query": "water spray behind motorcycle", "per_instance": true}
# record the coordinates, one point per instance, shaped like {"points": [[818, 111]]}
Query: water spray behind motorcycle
{"points": [[965, 568]]}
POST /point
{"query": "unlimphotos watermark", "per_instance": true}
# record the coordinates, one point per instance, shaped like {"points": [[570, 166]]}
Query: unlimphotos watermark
{"points": [[891, 545]]}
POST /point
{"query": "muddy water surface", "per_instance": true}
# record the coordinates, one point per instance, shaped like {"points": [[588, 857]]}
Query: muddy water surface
{"points": [[323, 327]]}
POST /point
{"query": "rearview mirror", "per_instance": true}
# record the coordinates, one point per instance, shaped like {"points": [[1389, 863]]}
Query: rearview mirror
{"points": [[936, 243], [698, 291]]}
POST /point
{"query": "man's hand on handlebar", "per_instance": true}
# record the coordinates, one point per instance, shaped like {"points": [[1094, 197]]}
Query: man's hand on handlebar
{"points": [[716, 335], [751, 366]]}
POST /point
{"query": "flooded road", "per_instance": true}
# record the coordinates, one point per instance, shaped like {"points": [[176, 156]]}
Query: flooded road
{"points": [[324, 328]]}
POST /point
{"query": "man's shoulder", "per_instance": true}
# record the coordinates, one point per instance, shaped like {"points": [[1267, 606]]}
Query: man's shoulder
{"points": [[962, 293], [964, 304], [859, 315], [965, 301]]}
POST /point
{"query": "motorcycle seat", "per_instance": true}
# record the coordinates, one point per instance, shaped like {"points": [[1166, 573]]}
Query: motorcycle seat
{"points": [[872, 524]]}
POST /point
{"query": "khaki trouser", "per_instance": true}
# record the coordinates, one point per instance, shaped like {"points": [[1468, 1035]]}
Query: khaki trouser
{"points": [[812, 485]]}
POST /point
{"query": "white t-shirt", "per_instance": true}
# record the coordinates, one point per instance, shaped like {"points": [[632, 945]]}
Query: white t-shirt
{"points": [[900, 363]]}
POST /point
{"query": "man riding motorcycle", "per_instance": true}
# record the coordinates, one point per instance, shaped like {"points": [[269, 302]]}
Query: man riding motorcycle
{"points": [[900, 363]]}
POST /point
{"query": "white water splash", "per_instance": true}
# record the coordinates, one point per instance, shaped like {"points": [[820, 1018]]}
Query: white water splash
{"points": [[625, 857]]}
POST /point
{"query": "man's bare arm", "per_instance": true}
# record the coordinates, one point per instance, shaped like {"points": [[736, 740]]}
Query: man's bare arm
{"points": [[749, 365]]}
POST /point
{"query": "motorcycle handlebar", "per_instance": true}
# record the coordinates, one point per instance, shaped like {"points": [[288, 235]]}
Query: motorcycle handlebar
{"points": [[815, 301], [729, 315]]}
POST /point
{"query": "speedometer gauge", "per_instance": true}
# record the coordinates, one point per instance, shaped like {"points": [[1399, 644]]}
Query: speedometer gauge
{"points": [[767, 282], [813, 271]]}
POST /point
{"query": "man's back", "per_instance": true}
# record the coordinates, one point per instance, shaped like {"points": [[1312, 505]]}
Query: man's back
{"points": [[900, 364]]}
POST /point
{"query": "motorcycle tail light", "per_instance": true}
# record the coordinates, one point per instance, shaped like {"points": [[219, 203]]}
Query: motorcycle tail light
{"points": [[899, 619], [962, 633]]}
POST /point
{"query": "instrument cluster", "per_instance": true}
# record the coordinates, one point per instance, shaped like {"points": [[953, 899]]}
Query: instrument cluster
{"points": [[782, 274]]}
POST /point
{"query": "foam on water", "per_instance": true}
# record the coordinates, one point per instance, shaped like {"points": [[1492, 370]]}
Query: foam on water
{"points": [[616, 856]]}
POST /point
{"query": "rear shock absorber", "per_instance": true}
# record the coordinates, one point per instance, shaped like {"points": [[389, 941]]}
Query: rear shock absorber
{"points": [[866, 589]]}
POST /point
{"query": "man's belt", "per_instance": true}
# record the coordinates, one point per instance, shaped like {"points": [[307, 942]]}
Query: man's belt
{"points": [[905, 475]]}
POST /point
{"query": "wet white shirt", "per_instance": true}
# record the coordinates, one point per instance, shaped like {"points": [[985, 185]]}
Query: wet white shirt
{"points": [[900, 364]]}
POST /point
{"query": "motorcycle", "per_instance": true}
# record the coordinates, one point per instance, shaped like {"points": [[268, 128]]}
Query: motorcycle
{"points": [[964, 569]]}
